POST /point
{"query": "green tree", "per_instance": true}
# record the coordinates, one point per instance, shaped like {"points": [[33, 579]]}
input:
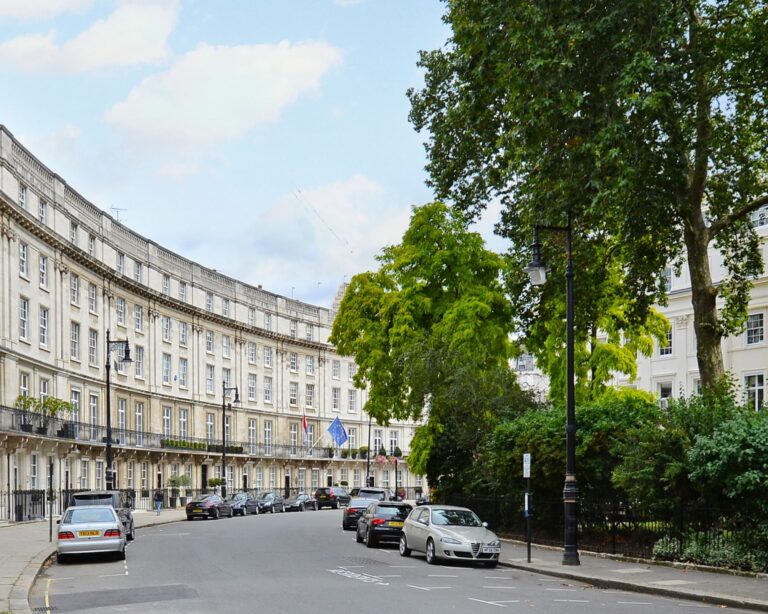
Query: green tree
{"points": [[646, 120]]}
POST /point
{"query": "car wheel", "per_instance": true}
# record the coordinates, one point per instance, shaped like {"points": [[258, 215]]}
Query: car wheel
{"points": [[121, 555], [60, 558], [335, 506], [370, 540], [190, 517], [132, 535], [404, 549], [315, 506], [272, 509], [358, 537], [244, 511], [215, 513], [431, 556], [491, 564], [302, 508]]}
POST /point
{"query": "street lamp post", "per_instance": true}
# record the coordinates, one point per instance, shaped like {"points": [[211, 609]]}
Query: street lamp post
{"points": [[537, 272], [126, 358], [225, 390], [368, 456]]}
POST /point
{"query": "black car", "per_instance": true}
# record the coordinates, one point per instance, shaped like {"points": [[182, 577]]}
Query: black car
{"points": [[353, 512], [208, 506], [242, 504], [270, 501], [382, 521], [331, 496], [299, 503]]}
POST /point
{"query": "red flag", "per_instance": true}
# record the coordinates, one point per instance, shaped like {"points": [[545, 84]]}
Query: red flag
{"points": [[306, 428]]}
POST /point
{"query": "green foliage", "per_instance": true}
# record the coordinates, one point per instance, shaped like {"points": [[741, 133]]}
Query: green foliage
{"points": [[645, 120], [182, 444], [176, 481], [398, 453], [213, 482]]}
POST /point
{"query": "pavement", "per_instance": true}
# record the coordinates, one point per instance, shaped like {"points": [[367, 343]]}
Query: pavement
{"points": [[24, 549]]}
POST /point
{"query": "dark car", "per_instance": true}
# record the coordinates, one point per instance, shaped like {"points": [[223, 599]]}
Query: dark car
{"points": [[208, 506], [299, 503], [353, 512], [369, 492], [119, 500], [382, 521], [331, 496], [270, 501], [242, 504]]}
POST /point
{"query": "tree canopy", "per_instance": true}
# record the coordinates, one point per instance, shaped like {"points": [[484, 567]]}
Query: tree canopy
{"points": [[644, 119]]}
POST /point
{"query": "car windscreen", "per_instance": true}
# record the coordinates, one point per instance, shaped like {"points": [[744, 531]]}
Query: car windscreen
{"points": [[265, 495], [372, 494], [86, 516], [200, 499], [393, 511], [92, 500], [459, 518]]}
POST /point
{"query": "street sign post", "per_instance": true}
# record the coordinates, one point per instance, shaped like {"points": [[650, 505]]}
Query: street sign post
{"points": [[528, 506]]}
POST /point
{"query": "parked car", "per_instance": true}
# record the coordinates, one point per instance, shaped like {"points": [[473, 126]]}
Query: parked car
{"points": [[300, 503], [448, 532], [90, 529], [270, 501], [331, 496], [353, 512], [120, 501], [382, 521], [369, 492], [242, 504], [208, 506]]}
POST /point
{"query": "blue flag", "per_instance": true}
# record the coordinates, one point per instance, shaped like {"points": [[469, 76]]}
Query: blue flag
{"points": [[337, 432]]}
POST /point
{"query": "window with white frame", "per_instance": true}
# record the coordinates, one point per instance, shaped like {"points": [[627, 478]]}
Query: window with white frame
{"points": [[293, 326], [144, 475], [74, 289], [93, 343], [225, 307], [273, 477], [120, 309], [166, 328], [251, 386], [138, 362], [93, 408], [377, 440], [183, 334], [210, 373], [84, 467], [226, 375], [309, 439], [22, 196], [251, 316], [351, 370], [44, 386], [336, 369], [74, 401], [91, 246], [120, 263], [23, 384], [252, 436], [259, 477], [166, 368], [122, 415], [352, 401], [183, 418], [267, 389], [293, 438], [226, 346], [139, 423], [210, 427], [310, 360], [93, 298], [183, 370], [43, 268], [99, 474], [309, 395], [336, 399], [209, 341], [310, 332], [754, 390], [23, 260], [251, 352], [44, 316], [315, 478], [166, 284], [302, 478], [267, 321], [293, 361], [138, 318], [267, 436], [167, 421], [42, 212], [344, 475], [353, 437], [755, 329], [293, 393], [666, 350], [73, 233], [209, 301], [393, 441], [385, 478], [267, 356], [129, 473], [74, 340], [664, 390], [356, 474], [23, 318], [138, 271], [183, 291]]}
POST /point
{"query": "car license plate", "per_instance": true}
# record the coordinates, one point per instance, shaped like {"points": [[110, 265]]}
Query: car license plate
{"points": [[491, 550], [88, 533], [197, 510], [395, 524]]}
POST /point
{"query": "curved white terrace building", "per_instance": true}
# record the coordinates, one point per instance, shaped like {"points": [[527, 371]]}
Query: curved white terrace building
{"points": [[70, 273]]}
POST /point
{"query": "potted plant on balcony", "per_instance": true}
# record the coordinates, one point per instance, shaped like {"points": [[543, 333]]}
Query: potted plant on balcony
{"points": [[51, 408], [398, 453], [26, 405], [353, 453], [344, 453], [382, 451], [363, 452]]}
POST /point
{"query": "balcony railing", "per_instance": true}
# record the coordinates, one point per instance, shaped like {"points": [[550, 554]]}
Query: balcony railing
{"points": [[20, 421]]}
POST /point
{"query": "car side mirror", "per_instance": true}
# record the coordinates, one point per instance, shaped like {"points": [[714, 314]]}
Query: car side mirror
{"points": [[485, 524]]}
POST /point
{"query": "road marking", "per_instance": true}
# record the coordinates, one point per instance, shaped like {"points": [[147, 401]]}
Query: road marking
{"points": [[565, 590], [390, 576], [500, 587], [47, 599], [496, 578], [499, 604], [440, 575], [570, 600], [362, 577], [112, 575], [692, 605], [403, 566], [428, 588], [351, 566], [634, 603]]}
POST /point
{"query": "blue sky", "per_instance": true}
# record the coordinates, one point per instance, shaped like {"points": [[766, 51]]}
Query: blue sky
{"points": [[266, 139]]}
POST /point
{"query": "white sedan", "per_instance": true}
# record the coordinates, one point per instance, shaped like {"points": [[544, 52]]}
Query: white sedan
{"points": [[451, 533], [91, 529]]}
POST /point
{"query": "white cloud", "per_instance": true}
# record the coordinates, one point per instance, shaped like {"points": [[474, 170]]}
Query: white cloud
{"points": [[41, 9], [134, 33], [216, 93]]}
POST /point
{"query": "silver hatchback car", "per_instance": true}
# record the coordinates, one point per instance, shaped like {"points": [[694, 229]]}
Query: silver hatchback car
{"points": [[448, 532], [93, 529]]}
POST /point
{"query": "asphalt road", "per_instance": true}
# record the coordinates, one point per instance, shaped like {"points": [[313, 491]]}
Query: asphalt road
{"points": [[294, 562]]}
